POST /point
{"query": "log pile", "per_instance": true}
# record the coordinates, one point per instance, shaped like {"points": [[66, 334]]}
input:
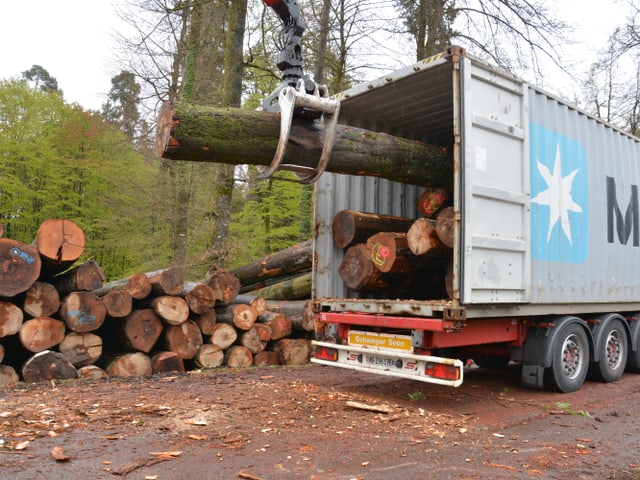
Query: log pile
{"points": [[395, 257], [60, 320]]}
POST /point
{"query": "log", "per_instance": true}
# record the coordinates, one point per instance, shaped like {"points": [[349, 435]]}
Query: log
{"points": [[295, 259], [300, 312], [81, 348], [140, 330], [350, 227], [390, 252], [448, 280], [223, 335], [87, 276], [92, 372], [445, 226], [20, 267], [118, 303], [41, 333], [138, 286], [136, 364], [238, 315], [281, 326], [82, 311], [257, 302], [209, 356], [432, 200], [8, 375], [422, 239], [239, 136], [169, 281], [358, 272], [266, 358], [292, 351], [1, 353], [252, 340], [264, 331], [183, 339], [199, 296], [173, 310], [295, 288], [11, 317], [166, 362], [226, 286], [42, 299], [238, 356], [206, 321], [48, 365], [60, 243]]}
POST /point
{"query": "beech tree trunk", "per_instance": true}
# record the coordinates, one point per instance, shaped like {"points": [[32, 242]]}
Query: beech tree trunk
{"points": [[350, 227], [81, 348], [173, 310], [257, 302], [226, 286], [239, 315], [48, 365], [41, 333], [184, 339], [92, 372], [20, 266], [252, 340], [292, 289], [42, 299], [11, 317], [200, 297], [135, 364], [82, 311], [223, 335], [239, 136], [141, 329]]}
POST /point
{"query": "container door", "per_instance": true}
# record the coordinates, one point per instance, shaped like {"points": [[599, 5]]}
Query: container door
{"points": [[494, 187]]}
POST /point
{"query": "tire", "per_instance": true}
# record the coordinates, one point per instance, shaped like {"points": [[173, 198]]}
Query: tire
{"points": [[633, 359], [569, 359], [613, 351]]}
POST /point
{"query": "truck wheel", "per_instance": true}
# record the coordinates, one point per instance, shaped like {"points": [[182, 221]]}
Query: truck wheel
{"points": [[569, 360], [613, 353], [633, 359]]}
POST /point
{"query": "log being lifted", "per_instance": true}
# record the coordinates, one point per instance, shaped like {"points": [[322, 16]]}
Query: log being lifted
{"points": [[236, 136]]}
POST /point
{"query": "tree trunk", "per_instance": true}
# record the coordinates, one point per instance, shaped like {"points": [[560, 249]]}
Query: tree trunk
{"points": [[86, 277], [238, 356], [11, 317], [258, 303], [165, 362], [300, 312], [431, 200], [42, 299], [60, 243], [173, 310], [292, 289], [238, 315], [292, 351], [137, 285], [294, 259], [281, 326], [118, 303], [359, 273], [81, 348], [390, 252], [8, 375], [226, 286], [82, 311], [209, 356], [266, 358], [184, 339], [41, 333], [206, 321], [223, 335], [20, 266], [351, 227], [238, 136], [422, 239], [136, 364], [445, 226], [167, 282], [252, 340], [48, 365], [200, 297], [140, 330]]}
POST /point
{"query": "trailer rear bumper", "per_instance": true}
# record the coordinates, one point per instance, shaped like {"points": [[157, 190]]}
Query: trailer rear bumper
{"points": [[424, 368]]}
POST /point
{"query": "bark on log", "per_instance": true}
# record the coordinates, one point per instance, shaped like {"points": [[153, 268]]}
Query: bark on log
{"points": [[141, 329], [223, 335], [226, 286], [351, 227], [358, 272], [92, 372], [209, 356], [137, 285], [85, 277], [432, 200], [173, 310], [48, 365], [41, 333], [169, 281], [422, 239], [281, 326], [42, 299], [20, 267], [390, 252], [8, 375], [184, 339], [294, 259], [118, 303], [292, 351], [238, 136], [199, 296], [238, 315], [1, 353], [60, 243], [445, 226], [206, 321], [266, 358], [81, 348], [136, 364], [252, 339], [82, 311], [295, 288], [300, 312], [11, 318], [166, 362], [238, 356]]}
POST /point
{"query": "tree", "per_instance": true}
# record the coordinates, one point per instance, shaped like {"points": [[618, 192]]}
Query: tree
{"points": [[121, 107], [41, 79]]}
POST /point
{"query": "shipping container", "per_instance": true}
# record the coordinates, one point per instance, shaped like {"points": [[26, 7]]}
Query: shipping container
{"points": [[543, 269]]}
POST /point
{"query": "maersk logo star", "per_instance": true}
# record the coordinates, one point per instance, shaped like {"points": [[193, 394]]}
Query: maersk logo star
{"points": [[559, 208]]}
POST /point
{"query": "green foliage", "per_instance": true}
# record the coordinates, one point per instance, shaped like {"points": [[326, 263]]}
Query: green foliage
{"points": [[41, 79]]}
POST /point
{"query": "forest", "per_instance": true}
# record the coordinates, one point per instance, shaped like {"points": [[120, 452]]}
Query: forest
{"points": [[143, 213]]}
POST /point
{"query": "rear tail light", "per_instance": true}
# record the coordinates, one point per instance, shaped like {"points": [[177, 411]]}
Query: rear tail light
{"points": [[325, 353], [439, 370]]}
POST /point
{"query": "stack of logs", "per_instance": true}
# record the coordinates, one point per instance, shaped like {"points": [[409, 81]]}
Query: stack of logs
{"points": [[60, 320], [395, 257]]}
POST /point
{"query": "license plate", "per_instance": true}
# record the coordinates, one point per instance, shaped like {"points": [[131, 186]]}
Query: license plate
{"points": [[383, 362]]}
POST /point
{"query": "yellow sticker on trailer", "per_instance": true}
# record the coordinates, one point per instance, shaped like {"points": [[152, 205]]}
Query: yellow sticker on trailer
{"points": [[380, 340]]}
